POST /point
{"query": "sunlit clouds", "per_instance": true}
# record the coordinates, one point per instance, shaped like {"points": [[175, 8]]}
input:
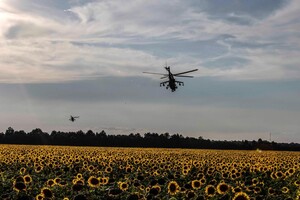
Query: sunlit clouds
{"points": [[78, 40]]}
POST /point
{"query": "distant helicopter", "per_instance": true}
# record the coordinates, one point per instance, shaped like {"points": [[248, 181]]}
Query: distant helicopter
{"points": [[73, 118], [171, 83]]}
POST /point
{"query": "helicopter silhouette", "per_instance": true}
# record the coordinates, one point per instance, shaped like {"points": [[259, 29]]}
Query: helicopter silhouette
{"points": [[171, 83], [73, 118]]}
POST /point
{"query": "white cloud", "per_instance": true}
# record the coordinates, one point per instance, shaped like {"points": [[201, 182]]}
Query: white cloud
{"points": [[44, 61], [37, 40]]}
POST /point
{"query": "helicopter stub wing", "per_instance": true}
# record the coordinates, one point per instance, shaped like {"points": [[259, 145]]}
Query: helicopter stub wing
{"points": [[163, 83], [180, 83]]}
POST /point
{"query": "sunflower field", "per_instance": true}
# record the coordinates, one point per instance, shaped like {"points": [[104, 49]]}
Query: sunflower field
{"points": [[93, 173]]}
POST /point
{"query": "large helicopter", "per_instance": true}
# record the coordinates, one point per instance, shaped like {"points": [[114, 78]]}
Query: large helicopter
{"points": [[171, 83], [73, 118]]}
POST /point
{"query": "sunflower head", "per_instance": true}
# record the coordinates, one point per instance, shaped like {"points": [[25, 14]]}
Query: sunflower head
{"points": [[271, 191], [79, 176], [108, 169], [128, 169], [202, 181], [255, 181], [91, 168], [279, 174], [104, 180], [57, 180], [285, 190], [19, 186], [297, 183], [22, 170], [241, 196], [39, 197], [190, 194], [38, 168], [123, 186], [210, 190], [257, 190], [291, 171], [173, 188], [50, 182], [196, 184], [27, 179], [223, 188], [47, 193], [155, 190], [93, 181]]}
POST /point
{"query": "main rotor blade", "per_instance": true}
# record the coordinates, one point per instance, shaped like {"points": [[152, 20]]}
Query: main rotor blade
{"points": [[185, 72], [183, 76], [164, 77], [155, 73]]}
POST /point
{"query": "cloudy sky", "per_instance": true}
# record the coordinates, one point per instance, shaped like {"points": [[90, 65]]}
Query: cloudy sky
{"points": [[86, 57]]}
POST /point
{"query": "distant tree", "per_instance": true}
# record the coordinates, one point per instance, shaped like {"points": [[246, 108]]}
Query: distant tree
{"points": [[166, 135], [90, 138], [20, 137], [90, 133], [37, 136], [9, 131], [259, 140], [1, 137], [164, 140]]}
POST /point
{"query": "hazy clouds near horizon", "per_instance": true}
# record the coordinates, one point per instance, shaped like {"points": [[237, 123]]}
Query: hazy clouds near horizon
{"points": [[86, 58]]}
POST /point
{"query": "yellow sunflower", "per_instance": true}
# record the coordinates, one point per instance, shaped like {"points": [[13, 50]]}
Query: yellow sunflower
{"points": [[123, 186], [223, 188], [50, 182], [108, 169], [79, 176], [241, 196], [196, 184], [22, 170], [271, 191], [27, 179], [285, 190], [93, 181], [38, 169], [47, 193], [210, 190], [104, 180], [39, 197], [173, 188], [237, 189], [19, 186]]}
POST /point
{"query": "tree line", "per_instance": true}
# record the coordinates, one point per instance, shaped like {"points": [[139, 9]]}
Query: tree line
{"points": [[165, 140]]}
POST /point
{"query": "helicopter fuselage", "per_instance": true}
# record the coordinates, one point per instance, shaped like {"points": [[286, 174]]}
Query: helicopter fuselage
{"points": [[72, 119], [172, 81]]}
